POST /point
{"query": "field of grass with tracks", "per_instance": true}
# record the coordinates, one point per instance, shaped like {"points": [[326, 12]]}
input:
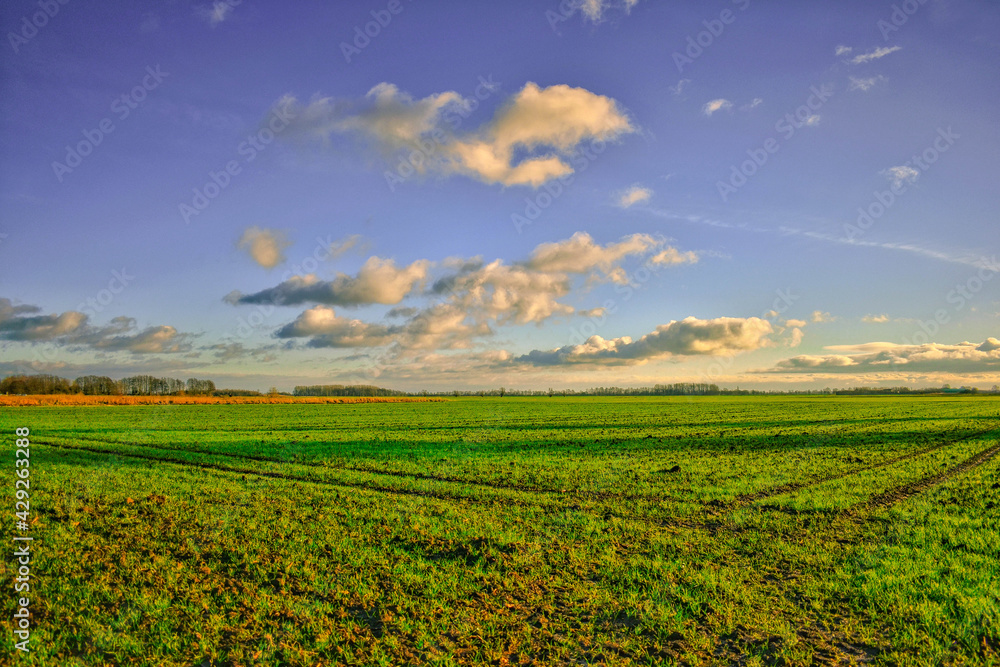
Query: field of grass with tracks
{"points": [[504, 531]]}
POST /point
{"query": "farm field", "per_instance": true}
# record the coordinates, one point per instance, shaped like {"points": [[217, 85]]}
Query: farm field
{"points": [[505, 531]]}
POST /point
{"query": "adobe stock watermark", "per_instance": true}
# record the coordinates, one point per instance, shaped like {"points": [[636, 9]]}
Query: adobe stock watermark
{"points": [[248, 150], [698, 43], [29, 27], [535, 205], [424, 150], [958, 297], [901, 13], [122, 106], [786, 126], [104, 297], [903, 176], [381, 18]]}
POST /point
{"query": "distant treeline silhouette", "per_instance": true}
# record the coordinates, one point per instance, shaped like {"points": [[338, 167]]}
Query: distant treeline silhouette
{"points": [[101, 385], [345, 390], [148, 385]]}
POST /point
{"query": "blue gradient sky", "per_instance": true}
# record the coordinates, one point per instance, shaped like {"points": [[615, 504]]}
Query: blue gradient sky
{"points": [[910, 298]]}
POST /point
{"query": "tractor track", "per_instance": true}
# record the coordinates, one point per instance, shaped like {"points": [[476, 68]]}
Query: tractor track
{"points": [[748, 498]]}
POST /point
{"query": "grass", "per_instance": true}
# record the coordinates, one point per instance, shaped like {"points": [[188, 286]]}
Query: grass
{"points": [[615, 531]]}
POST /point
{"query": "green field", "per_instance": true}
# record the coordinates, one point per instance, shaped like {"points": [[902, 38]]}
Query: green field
{"points": [[547, 531]]}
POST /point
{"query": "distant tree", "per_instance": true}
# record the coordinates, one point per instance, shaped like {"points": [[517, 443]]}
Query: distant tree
{"points": [[502, 392]]}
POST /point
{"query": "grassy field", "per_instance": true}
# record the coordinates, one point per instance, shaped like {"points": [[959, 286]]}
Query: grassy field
{"points": [[547, 531]]}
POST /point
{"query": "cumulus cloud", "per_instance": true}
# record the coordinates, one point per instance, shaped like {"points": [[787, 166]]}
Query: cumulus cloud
{"points": [[795, 323], [865, 84], [473, 296], [327, 329], [265, 246], [530, 140], [877, 53], [378, 281], [635, 194], [716, 105], [547, 122], [21, 324], [901, 175], [875, 319], [442, 326], [581, 254], [964, 357], [820, 317], [507, 293], [687, 337]]}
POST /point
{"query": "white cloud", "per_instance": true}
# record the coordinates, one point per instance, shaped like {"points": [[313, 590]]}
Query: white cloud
{"points": [[963, 357], [753, 104], [265, 246], [716, 105], [865, 84], [813, 120], [687, 337], [378, 281], [549, 124], [551, 121], [670, 256], [901, 175], [72, 328], [473, 295], [820, 317], [843, 50], [635, 194], [879, 52], [875, 319]]}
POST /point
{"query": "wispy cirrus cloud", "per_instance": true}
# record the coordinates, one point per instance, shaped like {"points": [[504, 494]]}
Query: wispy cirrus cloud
{"points": [[875, 54]]}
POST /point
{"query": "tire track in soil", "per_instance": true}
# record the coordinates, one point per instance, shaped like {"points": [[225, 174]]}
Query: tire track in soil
{"points": [[858, 515], [299, 478], [586, 495], [901, 493], [746, 499]]}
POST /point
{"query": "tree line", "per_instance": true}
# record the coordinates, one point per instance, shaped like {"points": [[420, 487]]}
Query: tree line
{"points": [[101, 385], [345, 390], [149, 385]]}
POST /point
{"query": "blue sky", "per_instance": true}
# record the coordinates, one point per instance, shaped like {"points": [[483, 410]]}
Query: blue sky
{"points": [[527, 194]]}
